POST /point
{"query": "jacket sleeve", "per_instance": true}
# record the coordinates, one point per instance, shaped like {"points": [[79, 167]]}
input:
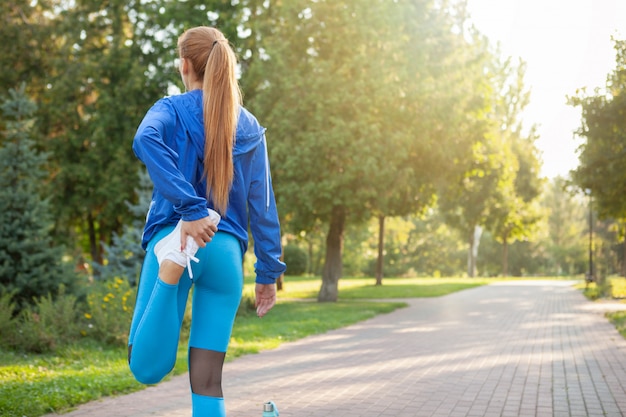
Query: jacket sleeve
{"points": [[264, 223], [151, 146]]}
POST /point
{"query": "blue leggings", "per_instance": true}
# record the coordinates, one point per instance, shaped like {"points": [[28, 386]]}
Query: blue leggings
{"points": [[159, 311]]}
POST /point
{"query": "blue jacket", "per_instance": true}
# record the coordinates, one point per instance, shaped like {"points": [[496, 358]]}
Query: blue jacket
{"points": [[170, 142]]}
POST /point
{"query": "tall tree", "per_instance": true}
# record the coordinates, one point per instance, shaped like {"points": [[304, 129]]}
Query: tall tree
{"points": [[602, 162], [95, 100], [516, 213], [348, 92], [488, 193], [30, 265]]}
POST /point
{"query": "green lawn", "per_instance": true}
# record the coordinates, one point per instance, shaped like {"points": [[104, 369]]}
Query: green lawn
{"points": [[33, 385], [365, 288]]}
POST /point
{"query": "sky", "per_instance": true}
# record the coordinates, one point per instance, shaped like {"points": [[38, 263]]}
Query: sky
{"points": [[567, 46]]}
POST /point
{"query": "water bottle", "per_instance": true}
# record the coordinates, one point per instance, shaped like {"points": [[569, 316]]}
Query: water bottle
{"points": [[270, 410]]}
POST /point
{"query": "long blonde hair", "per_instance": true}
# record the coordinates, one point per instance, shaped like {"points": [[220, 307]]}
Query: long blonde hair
{"points": [[214, 62]]}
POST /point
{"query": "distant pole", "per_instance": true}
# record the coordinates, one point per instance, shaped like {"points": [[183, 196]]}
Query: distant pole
{"points": [[590, 277]]}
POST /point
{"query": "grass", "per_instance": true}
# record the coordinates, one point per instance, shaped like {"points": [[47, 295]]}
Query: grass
{"points": [[618, 319], [33, 385], [365, 288], [613, 288]]}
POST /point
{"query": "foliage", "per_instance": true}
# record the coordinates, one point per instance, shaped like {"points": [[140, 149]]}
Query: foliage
{"points": [[358, 252], [566, 234], [352, 138], [613, 287], [8, 323], [426, 246], [296, 259], [109, 311], [26, 42], [414, 246], [42, 327], [96, 92], [344, 150], [30, 264], [602, 166], [499, 183], [124, 257]]}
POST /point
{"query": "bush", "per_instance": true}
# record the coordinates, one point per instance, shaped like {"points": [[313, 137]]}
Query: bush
{"points": [[296, 259], [42, 327], [109, 311], [7, 321]]}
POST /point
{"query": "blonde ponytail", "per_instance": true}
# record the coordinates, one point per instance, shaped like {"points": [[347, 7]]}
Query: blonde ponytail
{"points": [[214, 62]]}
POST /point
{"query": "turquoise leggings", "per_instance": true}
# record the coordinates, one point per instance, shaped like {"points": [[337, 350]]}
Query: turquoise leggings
{"points": [[159, 312]]}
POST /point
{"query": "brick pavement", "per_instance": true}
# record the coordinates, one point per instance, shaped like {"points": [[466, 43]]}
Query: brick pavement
{"points": [[523, 348]]}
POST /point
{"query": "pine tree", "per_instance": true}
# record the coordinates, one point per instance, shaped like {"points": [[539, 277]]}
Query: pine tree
{"points": [[30, 265]]}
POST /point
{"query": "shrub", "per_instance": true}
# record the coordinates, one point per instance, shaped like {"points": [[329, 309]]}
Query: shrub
{"points": [[48, 323], [296, 259], [59, 317], [109, 311], [7, 321]]}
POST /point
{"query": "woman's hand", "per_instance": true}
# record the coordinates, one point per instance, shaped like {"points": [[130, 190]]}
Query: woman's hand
{"points": [[202, 231], [265, 298]]}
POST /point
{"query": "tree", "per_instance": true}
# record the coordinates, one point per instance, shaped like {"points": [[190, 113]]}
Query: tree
{"points": [[95, 100], [602, 162], [498, 181], [25, 44], [516, 213], [602, 166], [468, 204], [517, 218], [567, 228], [30, 265], [351, 98]]}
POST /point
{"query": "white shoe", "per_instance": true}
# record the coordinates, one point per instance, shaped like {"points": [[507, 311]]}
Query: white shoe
{"points": [[168, 248]]}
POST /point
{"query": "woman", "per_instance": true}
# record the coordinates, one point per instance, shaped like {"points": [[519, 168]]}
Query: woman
{"points": [[207, 157]]}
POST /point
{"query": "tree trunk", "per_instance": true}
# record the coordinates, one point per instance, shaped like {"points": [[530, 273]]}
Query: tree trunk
{"points": [[381, 245], [311, 264], [624, 257], [471, 266], [474, 241], [281, 278], [505, 258], [334, 248]]}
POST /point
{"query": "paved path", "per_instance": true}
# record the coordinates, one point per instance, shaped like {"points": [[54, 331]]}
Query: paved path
{"points": [[509, 349]]}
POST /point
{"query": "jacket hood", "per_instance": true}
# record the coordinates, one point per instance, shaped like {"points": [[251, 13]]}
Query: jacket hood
{"points": [[249, 133]]}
